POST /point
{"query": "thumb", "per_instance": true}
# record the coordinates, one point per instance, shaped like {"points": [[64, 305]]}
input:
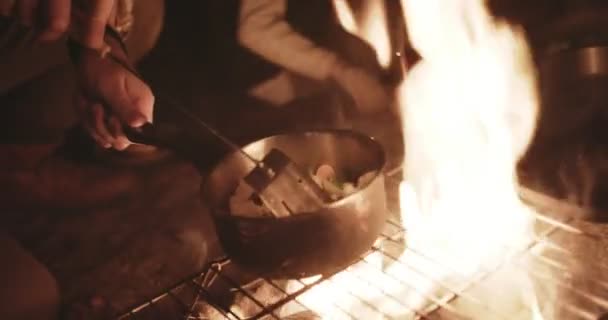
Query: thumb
{"points": [[142, 101], [133, 103]]}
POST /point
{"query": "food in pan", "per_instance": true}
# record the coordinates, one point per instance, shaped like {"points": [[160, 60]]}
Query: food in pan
{"points": [[245, 203]]}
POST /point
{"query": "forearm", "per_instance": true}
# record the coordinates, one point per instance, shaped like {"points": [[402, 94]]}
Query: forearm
{"points": [[264, 30]]}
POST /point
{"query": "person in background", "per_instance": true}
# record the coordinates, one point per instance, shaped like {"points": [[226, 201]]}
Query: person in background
{"points": [[108, 97], [311, 50]]}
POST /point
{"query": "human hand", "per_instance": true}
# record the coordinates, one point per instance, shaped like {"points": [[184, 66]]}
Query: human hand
{"points": [[368, 93], [111, 96], [51, 19]]}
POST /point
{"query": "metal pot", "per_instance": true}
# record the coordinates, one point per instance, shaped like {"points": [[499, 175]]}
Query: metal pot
{"points": [[300, 245], [573, 83], [565, 166], [572, 58], [578, 62], [311, 243]]}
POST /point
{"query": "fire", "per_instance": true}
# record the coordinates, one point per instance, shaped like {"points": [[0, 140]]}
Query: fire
{"points": [[469, 113], [469, 110]]}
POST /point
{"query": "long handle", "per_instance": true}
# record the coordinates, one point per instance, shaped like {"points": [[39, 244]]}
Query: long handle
{"points": [[143, 134]]}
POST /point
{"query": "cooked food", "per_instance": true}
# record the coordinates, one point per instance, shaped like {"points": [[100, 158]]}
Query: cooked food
{"points": [[246, 203]]}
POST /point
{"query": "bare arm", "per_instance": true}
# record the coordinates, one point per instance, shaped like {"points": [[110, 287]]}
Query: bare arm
{"points": [[264, 30]]}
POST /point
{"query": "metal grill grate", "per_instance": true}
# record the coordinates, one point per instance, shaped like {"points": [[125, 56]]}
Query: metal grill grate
{"points": [[395, 281]]}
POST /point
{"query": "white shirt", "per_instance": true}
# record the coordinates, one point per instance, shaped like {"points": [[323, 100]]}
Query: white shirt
{"points": [[263, 29]]}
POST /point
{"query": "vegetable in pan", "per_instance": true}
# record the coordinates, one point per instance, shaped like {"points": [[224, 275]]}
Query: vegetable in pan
{"points": [[245, 203]]}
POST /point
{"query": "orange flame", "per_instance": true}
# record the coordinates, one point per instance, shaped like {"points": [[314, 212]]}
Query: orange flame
{"points": [[469, 113], [469, 110]]}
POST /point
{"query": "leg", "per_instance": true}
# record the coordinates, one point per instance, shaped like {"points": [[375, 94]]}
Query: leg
{"points": [[28, 290]]}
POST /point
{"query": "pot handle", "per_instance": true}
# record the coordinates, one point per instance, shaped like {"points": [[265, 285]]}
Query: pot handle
{"points": [[166, 133], [145, 134], [175, 132], [154, 135]]}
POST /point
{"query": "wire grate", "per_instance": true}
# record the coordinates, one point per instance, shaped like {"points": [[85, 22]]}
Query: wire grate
{"points": [[395, 281]]}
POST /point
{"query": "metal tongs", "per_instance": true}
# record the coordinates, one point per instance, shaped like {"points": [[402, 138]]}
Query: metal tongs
{"points": [[281, 185]]}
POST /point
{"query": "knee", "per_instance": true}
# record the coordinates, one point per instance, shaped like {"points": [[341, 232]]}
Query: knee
{"points": [[29, 291], [45, 297]]}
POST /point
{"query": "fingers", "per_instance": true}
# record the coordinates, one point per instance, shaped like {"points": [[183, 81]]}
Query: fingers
{"points": [[120, 140], [99, 125], [126, 97], [87, 125], [55, 18], [92, 18], [105, 130], [50, 18], [130, 98], [93, 134], [142, 102], [92, 120]]}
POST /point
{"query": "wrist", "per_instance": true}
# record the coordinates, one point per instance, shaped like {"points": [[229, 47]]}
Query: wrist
{"points": [[113, 43]]}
